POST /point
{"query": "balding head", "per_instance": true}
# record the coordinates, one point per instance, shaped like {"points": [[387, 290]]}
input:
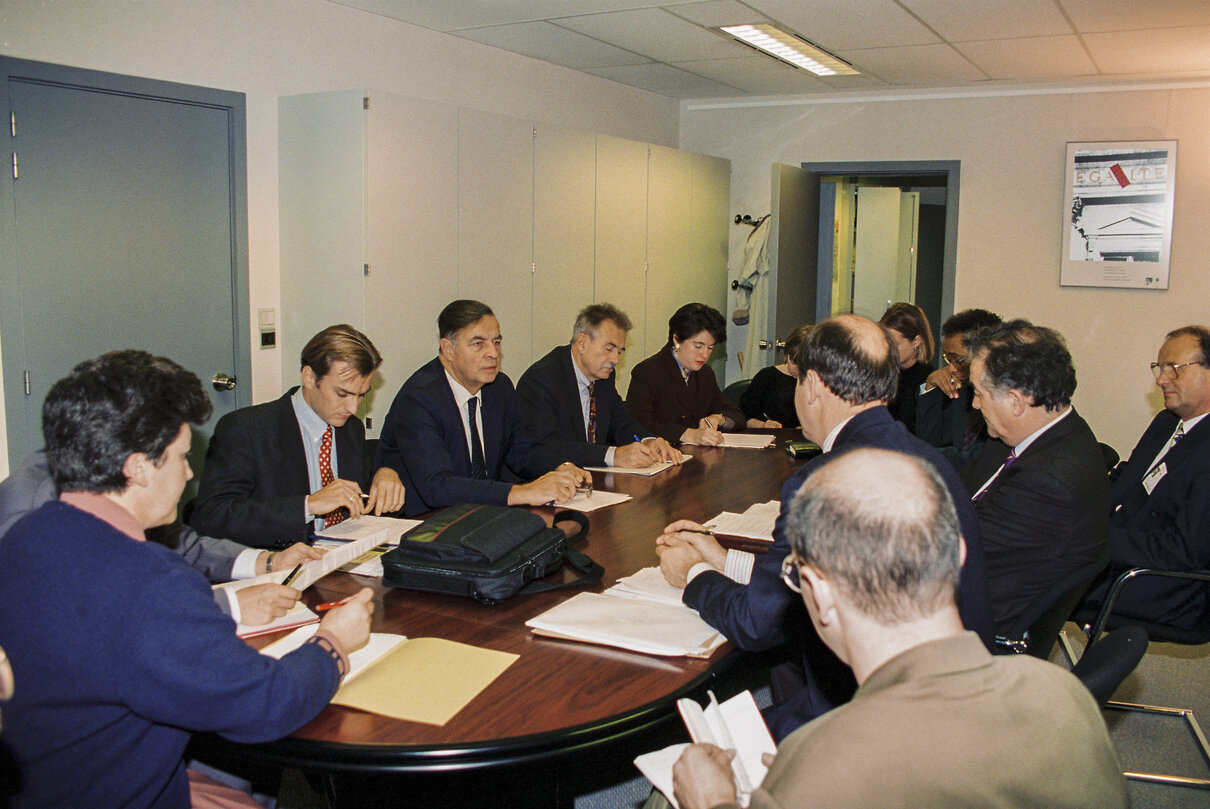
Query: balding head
{"points": [[853, 356], [882, 527]]}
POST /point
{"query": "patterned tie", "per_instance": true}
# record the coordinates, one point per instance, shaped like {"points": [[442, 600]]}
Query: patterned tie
{"points": [[326, 476], [478, 467], [1012, 456], [592, 413], [1172, 442]]}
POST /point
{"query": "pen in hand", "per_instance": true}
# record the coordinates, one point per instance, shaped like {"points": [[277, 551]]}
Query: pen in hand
{"points": [[290, 577]]}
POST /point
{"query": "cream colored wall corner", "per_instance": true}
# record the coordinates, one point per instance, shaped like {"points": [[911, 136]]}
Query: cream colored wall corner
{"points": [[1011, 209]]}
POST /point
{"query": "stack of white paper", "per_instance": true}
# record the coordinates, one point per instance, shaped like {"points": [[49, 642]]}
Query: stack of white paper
{"points": [[639, 616], [756, 522]]}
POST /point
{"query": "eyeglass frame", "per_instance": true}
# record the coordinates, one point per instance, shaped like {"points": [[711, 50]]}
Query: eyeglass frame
{"points": [[789, 566], [964, 362], [1158, 369]]}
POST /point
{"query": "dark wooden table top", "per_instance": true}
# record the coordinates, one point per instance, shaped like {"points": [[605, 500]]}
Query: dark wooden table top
{"points": [[557, 694]]}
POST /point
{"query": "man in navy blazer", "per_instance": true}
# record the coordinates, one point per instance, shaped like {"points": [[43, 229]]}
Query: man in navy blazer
{"points": [[263, 485], [570, 402], [848, 370], [454, 428], [1043, 507], [1161, 495]]}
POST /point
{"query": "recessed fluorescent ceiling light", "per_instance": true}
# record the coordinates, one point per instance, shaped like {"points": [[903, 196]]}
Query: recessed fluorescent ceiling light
{"points": [[790, 48]]}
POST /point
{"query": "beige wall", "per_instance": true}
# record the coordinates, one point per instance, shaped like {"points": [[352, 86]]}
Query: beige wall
{"points": [[1011, 211], [269, 48]]}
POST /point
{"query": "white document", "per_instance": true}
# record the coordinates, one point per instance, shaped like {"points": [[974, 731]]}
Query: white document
{"points": [[379, 644], [645, 471], [648, 584], [366, 525], [733, 725], [297, 615], [744, 440], [757, 522], [585, 501], [639, 625]]}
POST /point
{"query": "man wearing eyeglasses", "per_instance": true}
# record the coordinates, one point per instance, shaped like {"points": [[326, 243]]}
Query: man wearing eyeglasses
{"points": [[944, 415], [937, 721], [1161, 495]]}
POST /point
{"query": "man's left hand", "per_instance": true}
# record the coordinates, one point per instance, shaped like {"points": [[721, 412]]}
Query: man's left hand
{"points": [[297, 554], [702, 777], [675, 561], [386, 492], [664, 451]]}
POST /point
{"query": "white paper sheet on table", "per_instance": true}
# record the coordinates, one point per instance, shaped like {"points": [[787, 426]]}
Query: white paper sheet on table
{"points": [[583, 501], [645, 471]]}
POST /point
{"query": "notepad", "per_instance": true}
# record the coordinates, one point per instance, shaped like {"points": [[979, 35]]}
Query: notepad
{"points": [[635, 615], [426, 680], [744, 440], [644, 471], [756, 522]]}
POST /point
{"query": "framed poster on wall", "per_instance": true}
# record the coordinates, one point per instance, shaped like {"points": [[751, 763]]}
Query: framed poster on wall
{"points": [[1118, 227]]}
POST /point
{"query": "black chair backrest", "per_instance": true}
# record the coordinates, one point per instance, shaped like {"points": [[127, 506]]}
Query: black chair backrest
{"points": [[1040, 624], [735, 390], [1110, 660]]}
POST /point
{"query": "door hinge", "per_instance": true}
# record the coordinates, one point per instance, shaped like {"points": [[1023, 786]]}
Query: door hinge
{"points": [[366, 270], [14, 164], [27, 383], [12, 123], [365, 102]]}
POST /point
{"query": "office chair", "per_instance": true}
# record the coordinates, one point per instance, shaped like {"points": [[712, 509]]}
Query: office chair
{"points": [[1036, 631], [735, 390], [1163, 633]]}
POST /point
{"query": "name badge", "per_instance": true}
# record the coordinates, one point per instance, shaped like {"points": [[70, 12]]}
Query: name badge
{"points": [[1155, 476]]}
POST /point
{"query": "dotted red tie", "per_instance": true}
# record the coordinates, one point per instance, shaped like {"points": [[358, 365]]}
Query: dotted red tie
{"points": [[326, 476]]}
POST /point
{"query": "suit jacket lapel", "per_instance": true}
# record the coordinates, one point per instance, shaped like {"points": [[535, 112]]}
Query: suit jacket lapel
{"points": [[294, 461], [569, 392]]}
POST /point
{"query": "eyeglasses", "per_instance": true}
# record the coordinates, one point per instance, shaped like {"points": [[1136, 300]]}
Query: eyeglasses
{"points": [[956, 360], [1172, 369], [789, 572]]}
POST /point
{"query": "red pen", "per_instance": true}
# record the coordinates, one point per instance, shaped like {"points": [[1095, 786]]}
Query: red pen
{"points": [[329, 605]]}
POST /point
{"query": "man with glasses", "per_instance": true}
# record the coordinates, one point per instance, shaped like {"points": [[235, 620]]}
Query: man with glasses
{"points": [[937, 721], [847, 371], [944, 415], [1161, 495]]}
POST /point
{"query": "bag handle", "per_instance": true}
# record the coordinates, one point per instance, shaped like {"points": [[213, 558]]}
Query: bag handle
{"points": [[580, 561]]}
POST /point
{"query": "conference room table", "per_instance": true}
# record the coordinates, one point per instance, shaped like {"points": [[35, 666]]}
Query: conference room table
{"points": [[564, 712]]}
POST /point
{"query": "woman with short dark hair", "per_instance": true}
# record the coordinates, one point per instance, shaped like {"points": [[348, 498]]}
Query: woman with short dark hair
{"points": [[673, 393]]}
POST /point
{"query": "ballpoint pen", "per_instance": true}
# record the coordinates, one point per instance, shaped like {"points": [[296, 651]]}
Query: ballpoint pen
{"points": [[290, 577]]}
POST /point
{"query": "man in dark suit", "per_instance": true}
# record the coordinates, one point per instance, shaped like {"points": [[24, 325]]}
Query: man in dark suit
{"points": [[945, 417], [1044, 505], [848, 370], [1161, 495], [277, 471], [454, 427], [570, 402]]}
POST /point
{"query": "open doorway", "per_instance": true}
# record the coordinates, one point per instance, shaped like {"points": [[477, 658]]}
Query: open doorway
{"points": [[807, 257]]}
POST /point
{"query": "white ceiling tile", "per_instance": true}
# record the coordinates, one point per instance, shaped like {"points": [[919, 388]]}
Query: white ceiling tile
{"points": [[964, 20], [666, 81], [551, 43], [848, 24], [1127, 15], [1033, 58], [915, 64], [713, 13], [760, 75], [657, 35], [453, 15], [1164, 50]]}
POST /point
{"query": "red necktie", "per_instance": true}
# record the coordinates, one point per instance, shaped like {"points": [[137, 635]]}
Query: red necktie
{"points": [[592, 413], [326, 476]]}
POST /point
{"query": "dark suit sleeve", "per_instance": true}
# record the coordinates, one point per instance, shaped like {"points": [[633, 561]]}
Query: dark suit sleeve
{"points": [[545, 410], [930, 424], [751, 615], [229, 501], [1174, 532], [621, 427], [718, 402]]}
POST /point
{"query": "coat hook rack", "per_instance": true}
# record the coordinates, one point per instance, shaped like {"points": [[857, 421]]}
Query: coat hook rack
{"points": [[745, 219]]}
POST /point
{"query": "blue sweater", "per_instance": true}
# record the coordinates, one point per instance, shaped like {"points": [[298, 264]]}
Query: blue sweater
{"points": [[118, 654]]}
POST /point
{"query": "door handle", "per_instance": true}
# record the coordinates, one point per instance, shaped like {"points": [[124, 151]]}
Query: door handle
{"points": [[763, 345], [223, 382]]}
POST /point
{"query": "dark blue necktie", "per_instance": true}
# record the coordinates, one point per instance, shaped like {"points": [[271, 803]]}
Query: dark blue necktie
{"points": [[478, 467]]}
